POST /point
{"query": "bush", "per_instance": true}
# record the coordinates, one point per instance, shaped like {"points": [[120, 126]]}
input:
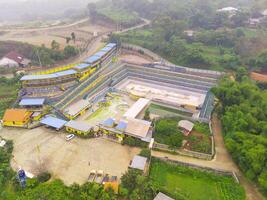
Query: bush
{"points": [[43, 177], [134, 142], [145, 153]]}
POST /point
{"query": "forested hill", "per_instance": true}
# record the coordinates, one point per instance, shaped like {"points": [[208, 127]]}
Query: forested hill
{"points": [[243, 111]]}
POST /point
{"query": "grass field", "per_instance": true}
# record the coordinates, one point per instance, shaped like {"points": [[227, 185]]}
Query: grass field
{"points": [[8, 94], [191, 184], [163, 111]]}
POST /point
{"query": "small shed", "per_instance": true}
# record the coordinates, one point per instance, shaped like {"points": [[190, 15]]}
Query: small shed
{"points": [[139, 162], [186, 126], [162, 196]]}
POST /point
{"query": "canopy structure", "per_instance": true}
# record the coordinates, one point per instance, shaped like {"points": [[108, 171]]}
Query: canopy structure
{"points": [[53, 122], [136, 108], [162, 196], [121, 126], [32, 102], [185, 124], [108, 122]]}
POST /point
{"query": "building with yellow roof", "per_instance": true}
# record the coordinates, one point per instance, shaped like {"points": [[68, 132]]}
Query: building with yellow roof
{"points": [[16, 117]]}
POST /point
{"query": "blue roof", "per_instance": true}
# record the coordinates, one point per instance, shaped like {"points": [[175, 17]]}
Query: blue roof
{"points": [[111, 45], [53, 122], [121, 126], [108, 122], [106, 49], [81, 66], [100, 54], [92, 59], [37, 77], [48, 76], [66, 72], [32, 102]]}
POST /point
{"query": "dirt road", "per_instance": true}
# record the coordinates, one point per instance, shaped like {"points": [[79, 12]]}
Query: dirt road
{"points": [[222, 161]]}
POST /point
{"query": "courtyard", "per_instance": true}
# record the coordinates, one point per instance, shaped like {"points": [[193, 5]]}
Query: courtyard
{"points": [[42, 149]]}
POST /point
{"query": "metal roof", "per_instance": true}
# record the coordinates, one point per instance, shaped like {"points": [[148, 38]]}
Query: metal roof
{"points": [[106, 49], [111, 45], [186, 125], [38, 77], [66, 72], [92, 59], [101, 54], [121, 126], [77, 107], [162, 196], [48, 76], [32, 102], [108, 122], [53, 122], [139, 162], [82, 66], [136, 108], [79, 125]]}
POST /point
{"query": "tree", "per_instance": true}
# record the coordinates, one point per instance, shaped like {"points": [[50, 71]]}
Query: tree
{"points": [[55, 45], [73, 37], [70, 51], [68, 39]]}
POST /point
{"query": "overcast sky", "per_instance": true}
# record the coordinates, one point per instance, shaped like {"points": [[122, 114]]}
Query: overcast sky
{"points": [[17, 10]]}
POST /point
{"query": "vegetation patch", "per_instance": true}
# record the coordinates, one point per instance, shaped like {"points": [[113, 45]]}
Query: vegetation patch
{"points": [[186, 183]]}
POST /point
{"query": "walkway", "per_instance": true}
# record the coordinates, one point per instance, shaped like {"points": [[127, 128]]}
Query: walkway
{"points": [[222, 161]]}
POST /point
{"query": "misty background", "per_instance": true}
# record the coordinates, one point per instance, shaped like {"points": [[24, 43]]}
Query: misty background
{"points": [[30, 10]]}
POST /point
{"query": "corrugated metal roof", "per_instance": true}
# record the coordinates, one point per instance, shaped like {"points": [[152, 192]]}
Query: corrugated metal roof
{"points": [[111, 45], [136, 108], [162, 196], [32, 102], [101, 54], [79, 125], [92, 59], [109, 122], [139, 162], [66, 73], [121, 126], [82, 66], [48, 76], [53, 122], [106, 49], [37, 77]]}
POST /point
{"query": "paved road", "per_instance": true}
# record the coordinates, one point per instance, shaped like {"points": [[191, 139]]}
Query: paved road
{"points": [[222, 161]]}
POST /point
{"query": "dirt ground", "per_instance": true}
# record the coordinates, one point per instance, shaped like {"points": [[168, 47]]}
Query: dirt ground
{"points": [[258, 77], [43, 149], [135, 59], [84, 31]]}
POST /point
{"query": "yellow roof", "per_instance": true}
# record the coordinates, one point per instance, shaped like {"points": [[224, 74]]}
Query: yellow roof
{"points": [[16, 115], [113, 185]]}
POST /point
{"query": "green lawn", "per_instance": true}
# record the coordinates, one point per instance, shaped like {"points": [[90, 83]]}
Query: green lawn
{"points": [[191, 184], [166, 111]]}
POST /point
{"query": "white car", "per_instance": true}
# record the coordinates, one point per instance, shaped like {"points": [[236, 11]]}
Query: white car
{"points": [[70, 137]]}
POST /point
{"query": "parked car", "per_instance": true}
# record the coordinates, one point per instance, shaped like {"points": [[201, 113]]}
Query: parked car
{"points": [[105, 179], [70, 137], [92, 176], [99, 176]]}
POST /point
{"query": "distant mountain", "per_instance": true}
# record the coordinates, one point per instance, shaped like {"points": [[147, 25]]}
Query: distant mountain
{"points": [[26, 10]]}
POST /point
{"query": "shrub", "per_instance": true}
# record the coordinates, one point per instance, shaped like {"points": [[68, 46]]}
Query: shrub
{"points": [[43, 177], [145, 153], [134, 142]]}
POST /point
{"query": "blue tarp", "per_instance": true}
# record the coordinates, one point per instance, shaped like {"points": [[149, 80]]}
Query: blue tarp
{"points": [[32, 102], [109, 122], [53, 122], [121, 126], [82, 66]]}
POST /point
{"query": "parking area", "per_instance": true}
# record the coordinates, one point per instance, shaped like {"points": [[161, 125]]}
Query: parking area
{"points": [[42, 149]]}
